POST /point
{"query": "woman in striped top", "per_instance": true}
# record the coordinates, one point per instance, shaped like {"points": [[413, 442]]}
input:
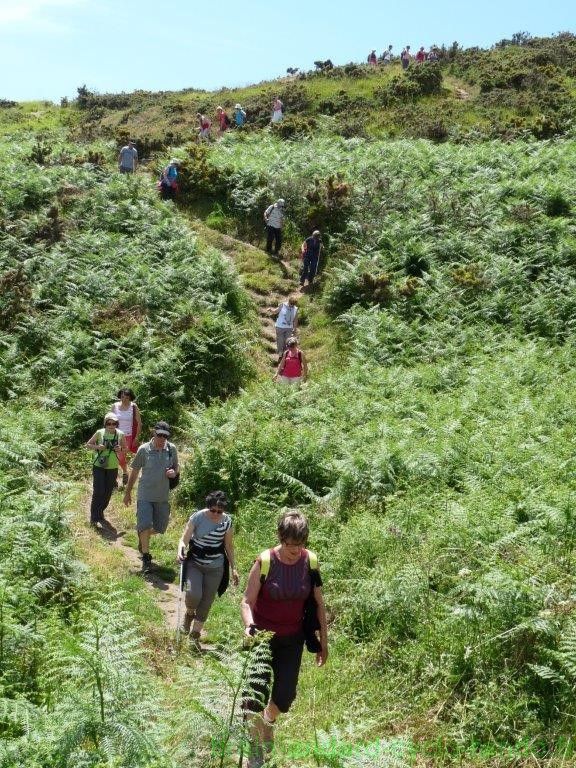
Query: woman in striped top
{"points": [[206, 539]]}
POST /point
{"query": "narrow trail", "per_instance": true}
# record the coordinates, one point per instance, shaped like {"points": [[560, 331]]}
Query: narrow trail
{"points": [[166, 591], [267, 282]]}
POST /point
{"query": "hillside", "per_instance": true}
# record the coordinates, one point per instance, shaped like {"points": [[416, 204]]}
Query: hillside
{"points": [[432, 447], [512, 90]]}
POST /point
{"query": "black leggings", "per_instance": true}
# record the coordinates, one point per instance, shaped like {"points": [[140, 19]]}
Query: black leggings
{"points": [[285, 668], [104, 482]]}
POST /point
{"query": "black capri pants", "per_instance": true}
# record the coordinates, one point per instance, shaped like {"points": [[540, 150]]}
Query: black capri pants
{"points": [[284, 669]]}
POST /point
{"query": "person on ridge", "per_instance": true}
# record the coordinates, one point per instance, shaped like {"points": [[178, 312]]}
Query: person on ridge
{"points": [[130, 423], [421, 55], [405, 57], [310, 252], [207, 549], [372, 58], [274, 218], [223, 119], [281, 583], [387, 55], [277, 110], [128, 158], [286, 323], [204, 126], [158, 460], [293, 366], [108, 445], [239, 116]]}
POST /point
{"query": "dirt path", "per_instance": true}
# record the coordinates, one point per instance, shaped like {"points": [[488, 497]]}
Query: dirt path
{"points": [[267, 281], [166, 592]]}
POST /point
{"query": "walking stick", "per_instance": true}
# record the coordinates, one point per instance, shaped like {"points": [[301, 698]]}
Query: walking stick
{"points": [[179, 608]]}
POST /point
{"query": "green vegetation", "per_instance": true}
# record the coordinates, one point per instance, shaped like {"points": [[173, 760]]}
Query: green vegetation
{"points": [[432, 446]]}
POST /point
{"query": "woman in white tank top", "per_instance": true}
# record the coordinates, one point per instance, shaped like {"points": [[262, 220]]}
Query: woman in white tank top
{"points": [[130, 423]]}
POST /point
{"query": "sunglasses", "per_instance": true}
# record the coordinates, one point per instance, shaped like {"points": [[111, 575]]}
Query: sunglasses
{"points": [[218, 510], [110, 423]]}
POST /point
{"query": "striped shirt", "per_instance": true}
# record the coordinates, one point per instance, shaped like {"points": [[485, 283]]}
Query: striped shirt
{"points": [[207, 542]]}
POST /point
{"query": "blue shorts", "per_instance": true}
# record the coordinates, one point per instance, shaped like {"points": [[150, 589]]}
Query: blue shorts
{"points": [[152, 514]]}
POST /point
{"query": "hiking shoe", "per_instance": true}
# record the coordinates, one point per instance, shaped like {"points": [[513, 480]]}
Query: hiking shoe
{"points": [[187, 623], [195, 640], [146, 562]]}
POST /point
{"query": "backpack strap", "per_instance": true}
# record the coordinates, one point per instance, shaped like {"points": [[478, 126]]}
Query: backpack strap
{"points": [[264, 558], [312, 560]]}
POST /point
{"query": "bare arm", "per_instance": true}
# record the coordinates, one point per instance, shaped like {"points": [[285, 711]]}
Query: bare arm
{"points": [[322, 655], [250, 597], [138, 418], [229, 548], [93, 444], [185, 540], [280, 366], [131, 481]]}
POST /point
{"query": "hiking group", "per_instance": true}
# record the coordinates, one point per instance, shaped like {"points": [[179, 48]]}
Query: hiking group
{"points": [[283, 596], [405, 56]]}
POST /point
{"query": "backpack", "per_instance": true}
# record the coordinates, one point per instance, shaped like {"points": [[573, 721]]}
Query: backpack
{"points": [[172, 481], [310, 623]]}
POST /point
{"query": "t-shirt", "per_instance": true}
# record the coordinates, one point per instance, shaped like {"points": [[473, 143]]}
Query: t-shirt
{"points": [[240, 116], [110, 440], [313, 245], [275, 216], [128, 157], [153, 484], [209, 534], [286, 315]]}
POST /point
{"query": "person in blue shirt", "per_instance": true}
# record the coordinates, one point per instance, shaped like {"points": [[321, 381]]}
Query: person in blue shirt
{"points": [[239, 116], [169, 181]]}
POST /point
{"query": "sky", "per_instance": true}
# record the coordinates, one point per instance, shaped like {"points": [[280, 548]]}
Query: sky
{"points": [[48, 48]]}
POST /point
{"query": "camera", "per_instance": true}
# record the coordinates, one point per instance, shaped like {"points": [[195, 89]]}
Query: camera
{"points": [[101, 460]]}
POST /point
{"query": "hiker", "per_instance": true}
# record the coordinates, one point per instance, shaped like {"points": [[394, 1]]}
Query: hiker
{"points": [[108, 445], [286, 323], [372, 58], [239, 116], [128, 158], [274, 218], [387, 56], [130, 423], [204, 126], [421, 55], [207, 549], [433, 55], [293, 366], [278, 599], [310, 254], [277, 110], [169, 180], [405, 57], [158, 460], [223, 119]]}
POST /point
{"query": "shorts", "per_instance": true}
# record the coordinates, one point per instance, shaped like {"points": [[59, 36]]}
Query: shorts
{"points": [[284, 668], [152, 514]]}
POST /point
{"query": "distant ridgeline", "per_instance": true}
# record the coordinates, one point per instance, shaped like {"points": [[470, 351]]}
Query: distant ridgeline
{"points": [[519, 87]]}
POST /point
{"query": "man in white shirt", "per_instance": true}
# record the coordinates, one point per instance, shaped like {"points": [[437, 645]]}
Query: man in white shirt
{"points": [[274, 218], [286, 323]]}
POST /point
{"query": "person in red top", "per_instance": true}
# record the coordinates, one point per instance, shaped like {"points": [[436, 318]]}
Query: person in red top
{"points": [[293, 366], [223, 119], [421, 55], [277, 605]]}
